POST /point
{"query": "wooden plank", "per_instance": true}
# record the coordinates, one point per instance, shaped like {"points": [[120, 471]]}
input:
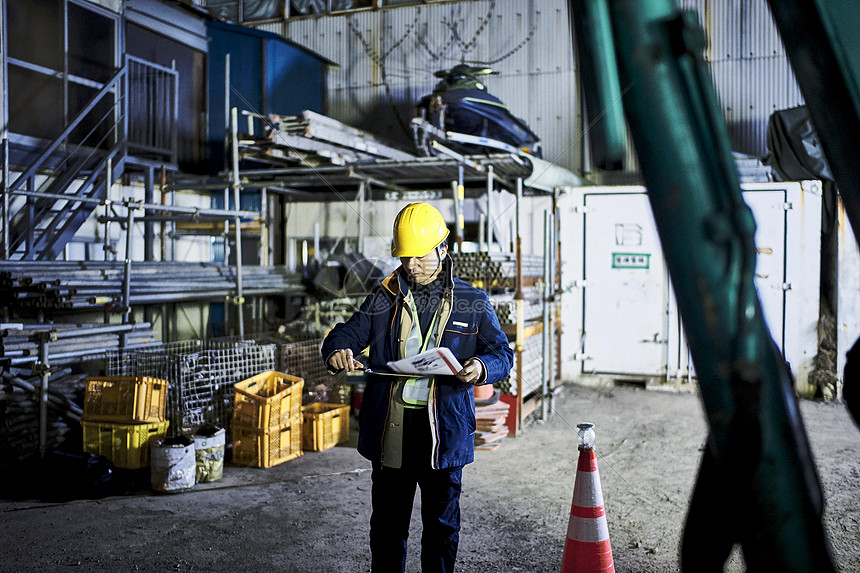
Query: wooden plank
{"points": [[530, 405], [529, 330], [217, 227]]}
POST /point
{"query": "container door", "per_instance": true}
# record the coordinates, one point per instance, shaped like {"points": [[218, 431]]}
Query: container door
{"points": [[768, 208], [625, 295]]}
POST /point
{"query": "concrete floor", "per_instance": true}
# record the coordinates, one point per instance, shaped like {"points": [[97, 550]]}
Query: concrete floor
{"points": [[311, 513]]}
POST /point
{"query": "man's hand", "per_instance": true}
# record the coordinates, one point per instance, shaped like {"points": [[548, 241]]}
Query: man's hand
{"points": [[472, 372], [343, 360]]}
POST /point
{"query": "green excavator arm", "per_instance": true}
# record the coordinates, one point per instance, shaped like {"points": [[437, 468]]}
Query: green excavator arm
{"points": [[757, 485]]}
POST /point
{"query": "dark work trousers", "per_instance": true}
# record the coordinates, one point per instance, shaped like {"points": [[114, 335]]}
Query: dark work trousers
{"points": [[393, 494]]}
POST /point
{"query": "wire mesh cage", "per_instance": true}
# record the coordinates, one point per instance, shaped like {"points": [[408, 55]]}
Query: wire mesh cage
{"points": [[206, 380], [297, 355], [154, 361], [303, 359], [270, 337], [200, 380]]}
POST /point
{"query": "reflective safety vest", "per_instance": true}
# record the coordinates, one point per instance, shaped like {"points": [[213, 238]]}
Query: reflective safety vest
{"points": [[415, 392]]}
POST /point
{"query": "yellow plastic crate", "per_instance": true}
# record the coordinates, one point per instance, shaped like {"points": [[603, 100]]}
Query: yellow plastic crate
{"points": [[126, 445], [125, 399], [266, 448], [268, 400], [325, 426]]}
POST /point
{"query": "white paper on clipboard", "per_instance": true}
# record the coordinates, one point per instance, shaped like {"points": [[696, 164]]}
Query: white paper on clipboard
{"points": [[435, 361]]}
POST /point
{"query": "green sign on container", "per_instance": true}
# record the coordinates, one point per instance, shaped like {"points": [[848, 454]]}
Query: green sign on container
{"points": [[631, 260]]}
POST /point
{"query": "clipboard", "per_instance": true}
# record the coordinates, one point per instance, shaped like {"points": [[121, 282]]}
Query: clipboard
{"points": [[433, 362], [378, 373]]}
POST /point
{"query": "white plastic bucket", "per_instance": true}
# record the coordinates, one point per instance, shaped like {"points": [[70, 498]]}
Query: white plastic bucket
{"points": [[173, 465]]}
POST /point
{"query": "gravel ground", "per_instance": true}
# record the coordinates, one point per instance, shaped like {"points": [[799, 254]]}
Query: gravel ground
{"points": [[311, 513]]}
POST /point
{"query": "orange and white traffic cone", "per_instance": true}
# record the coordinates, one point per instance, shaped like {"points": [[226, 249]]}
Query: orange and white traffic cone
{"points": [[587, 549]]}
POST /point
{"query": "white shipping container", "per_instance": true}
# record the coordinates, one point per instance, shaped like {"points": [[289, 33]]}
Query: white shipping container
{"points": [[619, 312]]}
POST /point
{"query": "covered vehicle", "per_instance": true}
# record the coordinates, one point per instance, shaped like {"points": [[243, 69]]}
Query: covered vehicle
{"points": [[464, 117]]}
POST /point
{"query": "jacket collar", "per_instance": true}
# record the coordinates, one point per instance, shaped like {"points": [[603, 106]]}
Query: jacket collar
{"points": [[392, 283]]}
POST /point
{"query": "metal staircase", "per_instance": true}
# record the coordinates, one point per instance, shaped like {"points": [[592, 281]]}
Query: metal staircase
{"points": [[61, 189]]}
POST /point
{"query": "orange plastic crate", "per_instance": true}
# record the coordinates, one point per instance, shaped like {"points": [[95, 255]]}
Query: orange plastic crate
{"points": [[325, 426], [125, 399], [126, 445], [268, 400], [266, 448]]}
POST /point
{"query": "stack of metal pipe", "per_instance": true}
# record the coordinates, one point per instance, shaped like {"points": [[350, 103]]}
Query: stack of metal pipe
{"points": [[89, 285], [506, 306], [495, 270], [509, 385], [19, 411], [70, 343], [532, 368]]}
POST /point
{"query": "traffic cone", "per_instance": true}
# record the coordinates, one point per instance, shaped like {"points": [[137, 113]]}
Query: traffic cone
{"points": [[587, 549]]}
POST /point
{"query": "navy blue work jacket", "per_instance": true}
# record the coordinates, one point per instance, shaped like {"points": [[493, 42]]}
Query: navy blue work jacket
{"points": [[468, 326]]}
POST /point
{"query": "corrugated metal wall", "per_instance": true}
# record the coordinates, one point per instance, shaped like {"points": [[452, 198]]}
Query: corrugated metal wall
{"points": [[751, 71], [388, 56]]}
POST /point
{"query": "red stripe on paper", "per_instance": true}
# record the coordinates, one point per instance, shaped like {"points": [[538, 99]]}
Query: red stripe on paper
{"points": [[448, 362]]}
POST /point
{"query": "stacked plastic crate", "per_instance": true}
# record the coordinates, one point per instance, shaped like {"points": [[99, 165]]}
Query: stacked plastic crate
{"points": [[123, 417], [326, 406], [325, 426], [267, 419]]}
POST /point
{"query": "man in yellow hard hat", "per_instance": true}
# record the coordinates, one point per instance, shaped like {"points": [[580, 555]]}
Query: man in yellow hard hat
{"points": [[419, 432]]}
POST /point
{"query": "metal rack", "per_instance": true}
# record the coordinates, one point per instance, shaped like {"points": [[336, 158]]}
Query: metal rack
{"points": [[549, 325], [288, 169], [111, 286], [315, 158]]}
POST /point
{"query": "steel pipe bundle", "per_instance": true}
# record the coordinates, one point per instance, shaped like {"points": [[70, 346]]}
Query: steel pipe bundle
{"points": [[88, 285], [506, 306], [69, 343], [532, 368], [488, 270]]}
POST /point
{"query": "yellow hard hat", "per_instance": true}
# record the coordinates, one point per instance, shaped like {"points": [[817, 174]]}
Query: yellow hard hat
{"points": [[418, 229]]}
